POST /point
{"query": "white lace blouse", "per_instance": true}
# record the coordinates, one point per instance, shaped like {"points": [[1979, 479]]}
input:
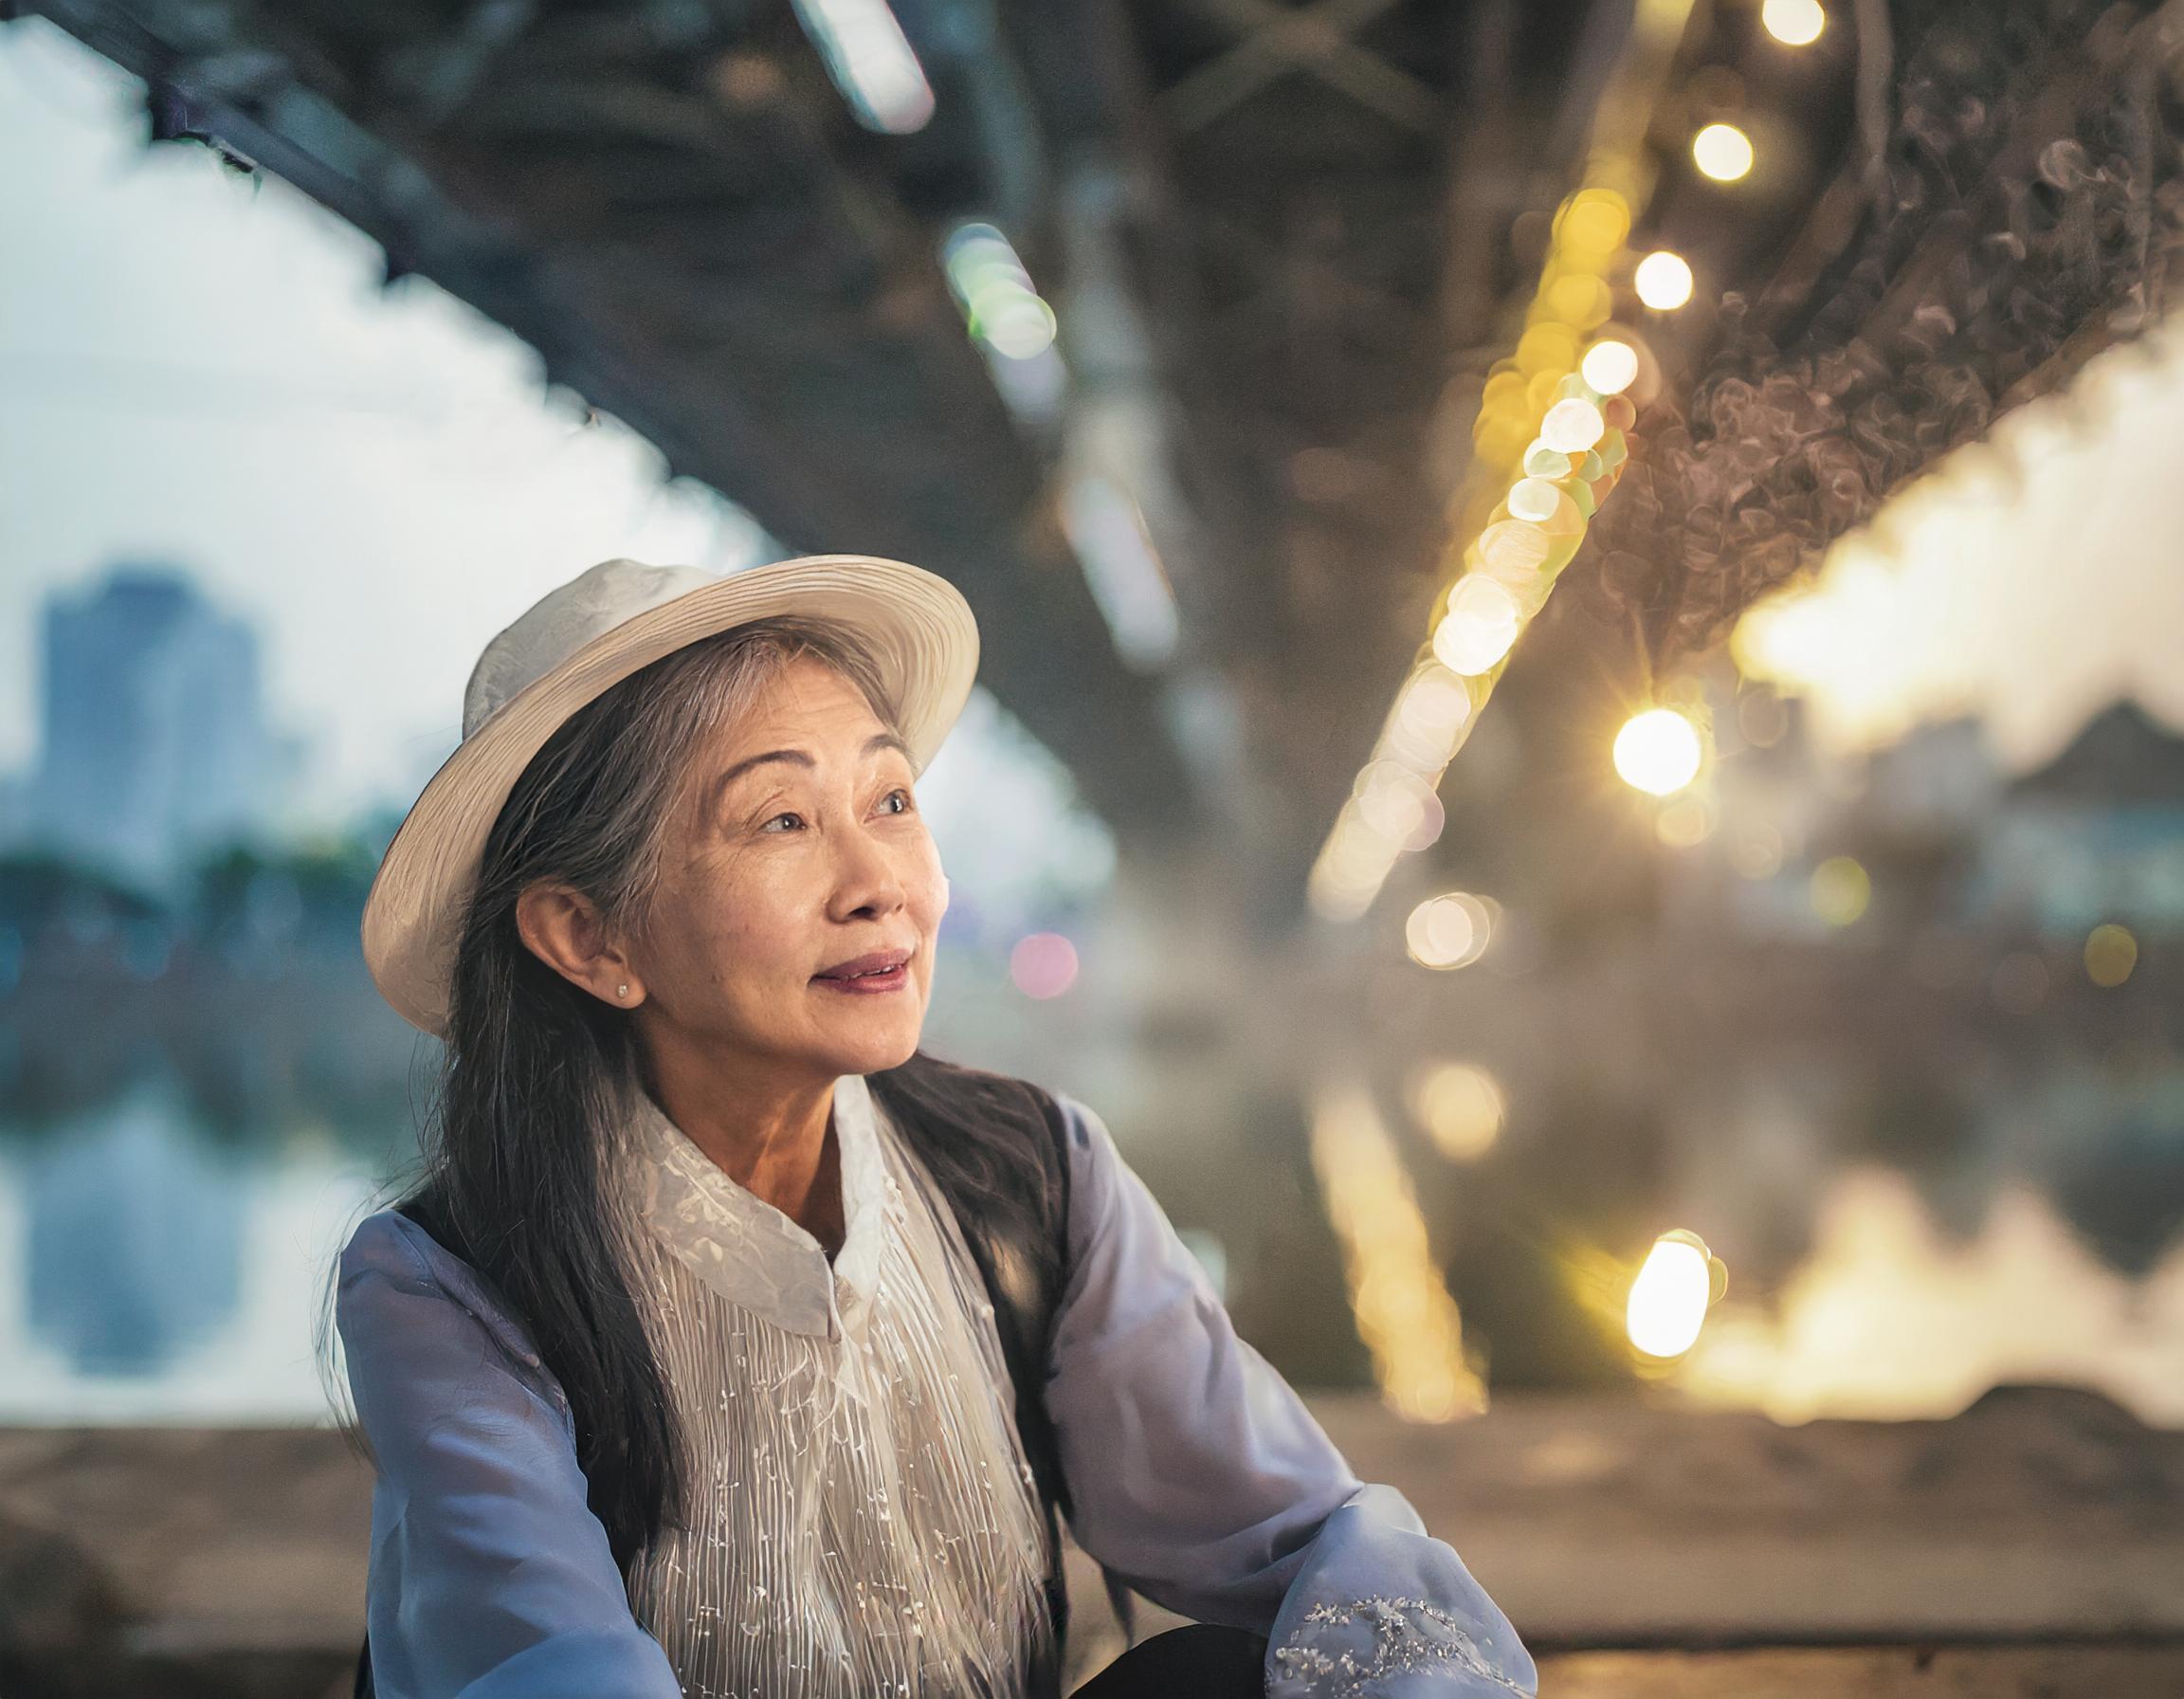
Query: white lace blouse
{"points": [[862, 1519]]}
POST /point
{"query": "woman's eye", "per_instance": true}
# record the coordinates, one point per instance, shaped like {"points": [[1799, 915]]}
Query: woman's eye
{"points": [[768, 823], [905, 793]]}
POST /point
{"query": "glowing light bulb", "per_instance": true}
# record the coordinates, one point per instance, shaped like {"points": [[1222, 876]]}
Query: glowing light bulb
{"points": [[1722, 152], [1669, 1298], [1611, 367], [1794, 23], [1663, 280], [1658, 752]]}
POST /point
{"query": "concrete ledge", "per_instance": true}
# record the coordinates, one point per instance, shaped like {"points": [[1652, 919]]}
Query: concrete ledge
{"points": [[2039, 1513], [2030, 1545], [1870, 1672]]}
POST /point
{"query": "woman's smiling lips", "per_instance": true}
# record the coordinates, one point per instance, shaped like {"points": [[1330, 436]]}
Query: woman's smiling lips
{"points": [[869, 975]]}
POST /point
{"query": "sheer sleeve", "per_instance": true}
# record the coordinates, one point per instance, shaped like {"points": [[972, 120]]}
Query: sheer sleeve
{"points": [[490, 1577], [1199, 1477]]}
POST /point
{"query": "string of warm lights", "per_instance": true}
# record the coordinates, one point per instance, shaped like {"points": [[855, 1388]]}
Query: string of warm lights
{"points": [[1550, 445], [1551, 435]]}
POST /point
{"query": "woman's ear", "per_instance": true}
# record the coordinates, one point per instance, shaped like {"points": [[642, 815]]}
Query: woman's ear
{"points": [[562, 928]]}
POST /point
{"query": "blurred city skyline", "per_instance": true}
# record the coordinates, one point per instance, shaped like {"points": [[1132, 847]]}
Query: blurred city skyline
{"points": [[155, 753]]}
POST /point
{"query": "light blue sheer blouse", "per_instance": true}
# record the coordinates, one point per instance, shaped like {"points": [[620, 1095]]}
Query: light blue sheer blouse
{"points": [[1197, 1474]]}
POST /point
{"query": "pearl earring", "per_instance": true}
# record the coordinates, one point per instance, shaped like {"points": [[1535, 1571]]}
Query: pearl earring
{"points": [[622, 991]]}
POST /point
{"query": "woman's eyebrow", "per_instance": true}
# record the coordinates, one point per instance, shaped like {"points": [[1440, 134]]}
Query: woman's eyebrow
{"points": [[799, 757]]}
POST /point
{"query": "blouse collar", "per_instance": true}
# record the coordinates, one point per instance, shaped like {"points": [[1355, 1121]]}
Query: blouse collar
{"points": [[751, 1253]]}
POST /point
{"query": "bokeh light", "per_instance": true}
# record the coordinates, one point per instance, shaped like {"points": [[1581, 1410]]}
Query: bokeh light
{"points": [[1572, 426], [1594, 224], [1001, 307], [1536, 500], [1431, 715], [1841, 890], [1480, 626], [2111, 953], [1514, 549], [1397, 803], [1460, 1107], [1449, 931], [870, 61], [1043, 965], [1609, 366], [1658, 752], [1722, 152], [1687, 821], [1404, 1311], [1794, 23], [1669, 1299], [1663, 280]]}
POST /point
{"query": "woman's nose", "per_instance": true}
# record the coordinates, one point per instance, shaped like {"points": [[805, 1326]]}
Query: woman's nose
{"points": [[867, 876]]}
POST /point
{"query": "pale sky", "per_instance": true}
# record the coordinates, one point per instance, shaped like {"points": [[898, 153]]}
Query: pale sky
{"points": [[201, 366]]}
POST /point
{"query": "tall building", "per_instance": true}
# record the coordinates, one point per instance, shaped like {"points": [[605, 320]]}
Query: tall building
{"points": [[155, 743]]}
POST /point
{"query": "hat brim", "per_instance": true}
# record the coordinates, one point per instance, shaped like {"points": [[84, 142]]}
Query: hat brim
{"points": [[916, 624]]}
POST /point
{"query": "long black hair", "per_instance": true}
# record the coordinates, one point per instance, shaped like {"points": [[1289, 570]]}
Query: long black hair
{"points": [[536, 1072]]}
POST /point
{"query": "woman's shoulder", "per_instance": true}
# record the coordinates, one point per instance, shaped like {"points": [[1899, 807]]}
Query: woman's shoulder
{"points": [[388, 1243], [446, 1386], [390, 1255]]}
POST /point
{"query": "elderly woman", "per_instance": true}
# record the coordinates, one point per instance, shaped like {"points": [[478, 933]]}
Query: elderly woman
{"points": [[730, 1344]]}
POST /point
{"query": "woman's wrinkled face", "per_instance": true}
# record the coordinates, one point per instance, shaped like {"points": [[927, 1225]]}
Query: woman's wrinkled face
{"points": [[801, 847]]}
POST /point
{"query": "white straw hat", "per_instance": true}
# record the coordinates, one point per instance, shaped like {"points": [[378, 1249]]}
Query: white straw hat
{"points": [[571, 647]]}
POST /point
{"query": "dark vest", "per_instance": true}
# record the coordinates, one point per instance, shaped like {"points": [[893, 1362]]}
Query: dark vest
{"points": [[1025, 1288], [1025, 1291]]}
